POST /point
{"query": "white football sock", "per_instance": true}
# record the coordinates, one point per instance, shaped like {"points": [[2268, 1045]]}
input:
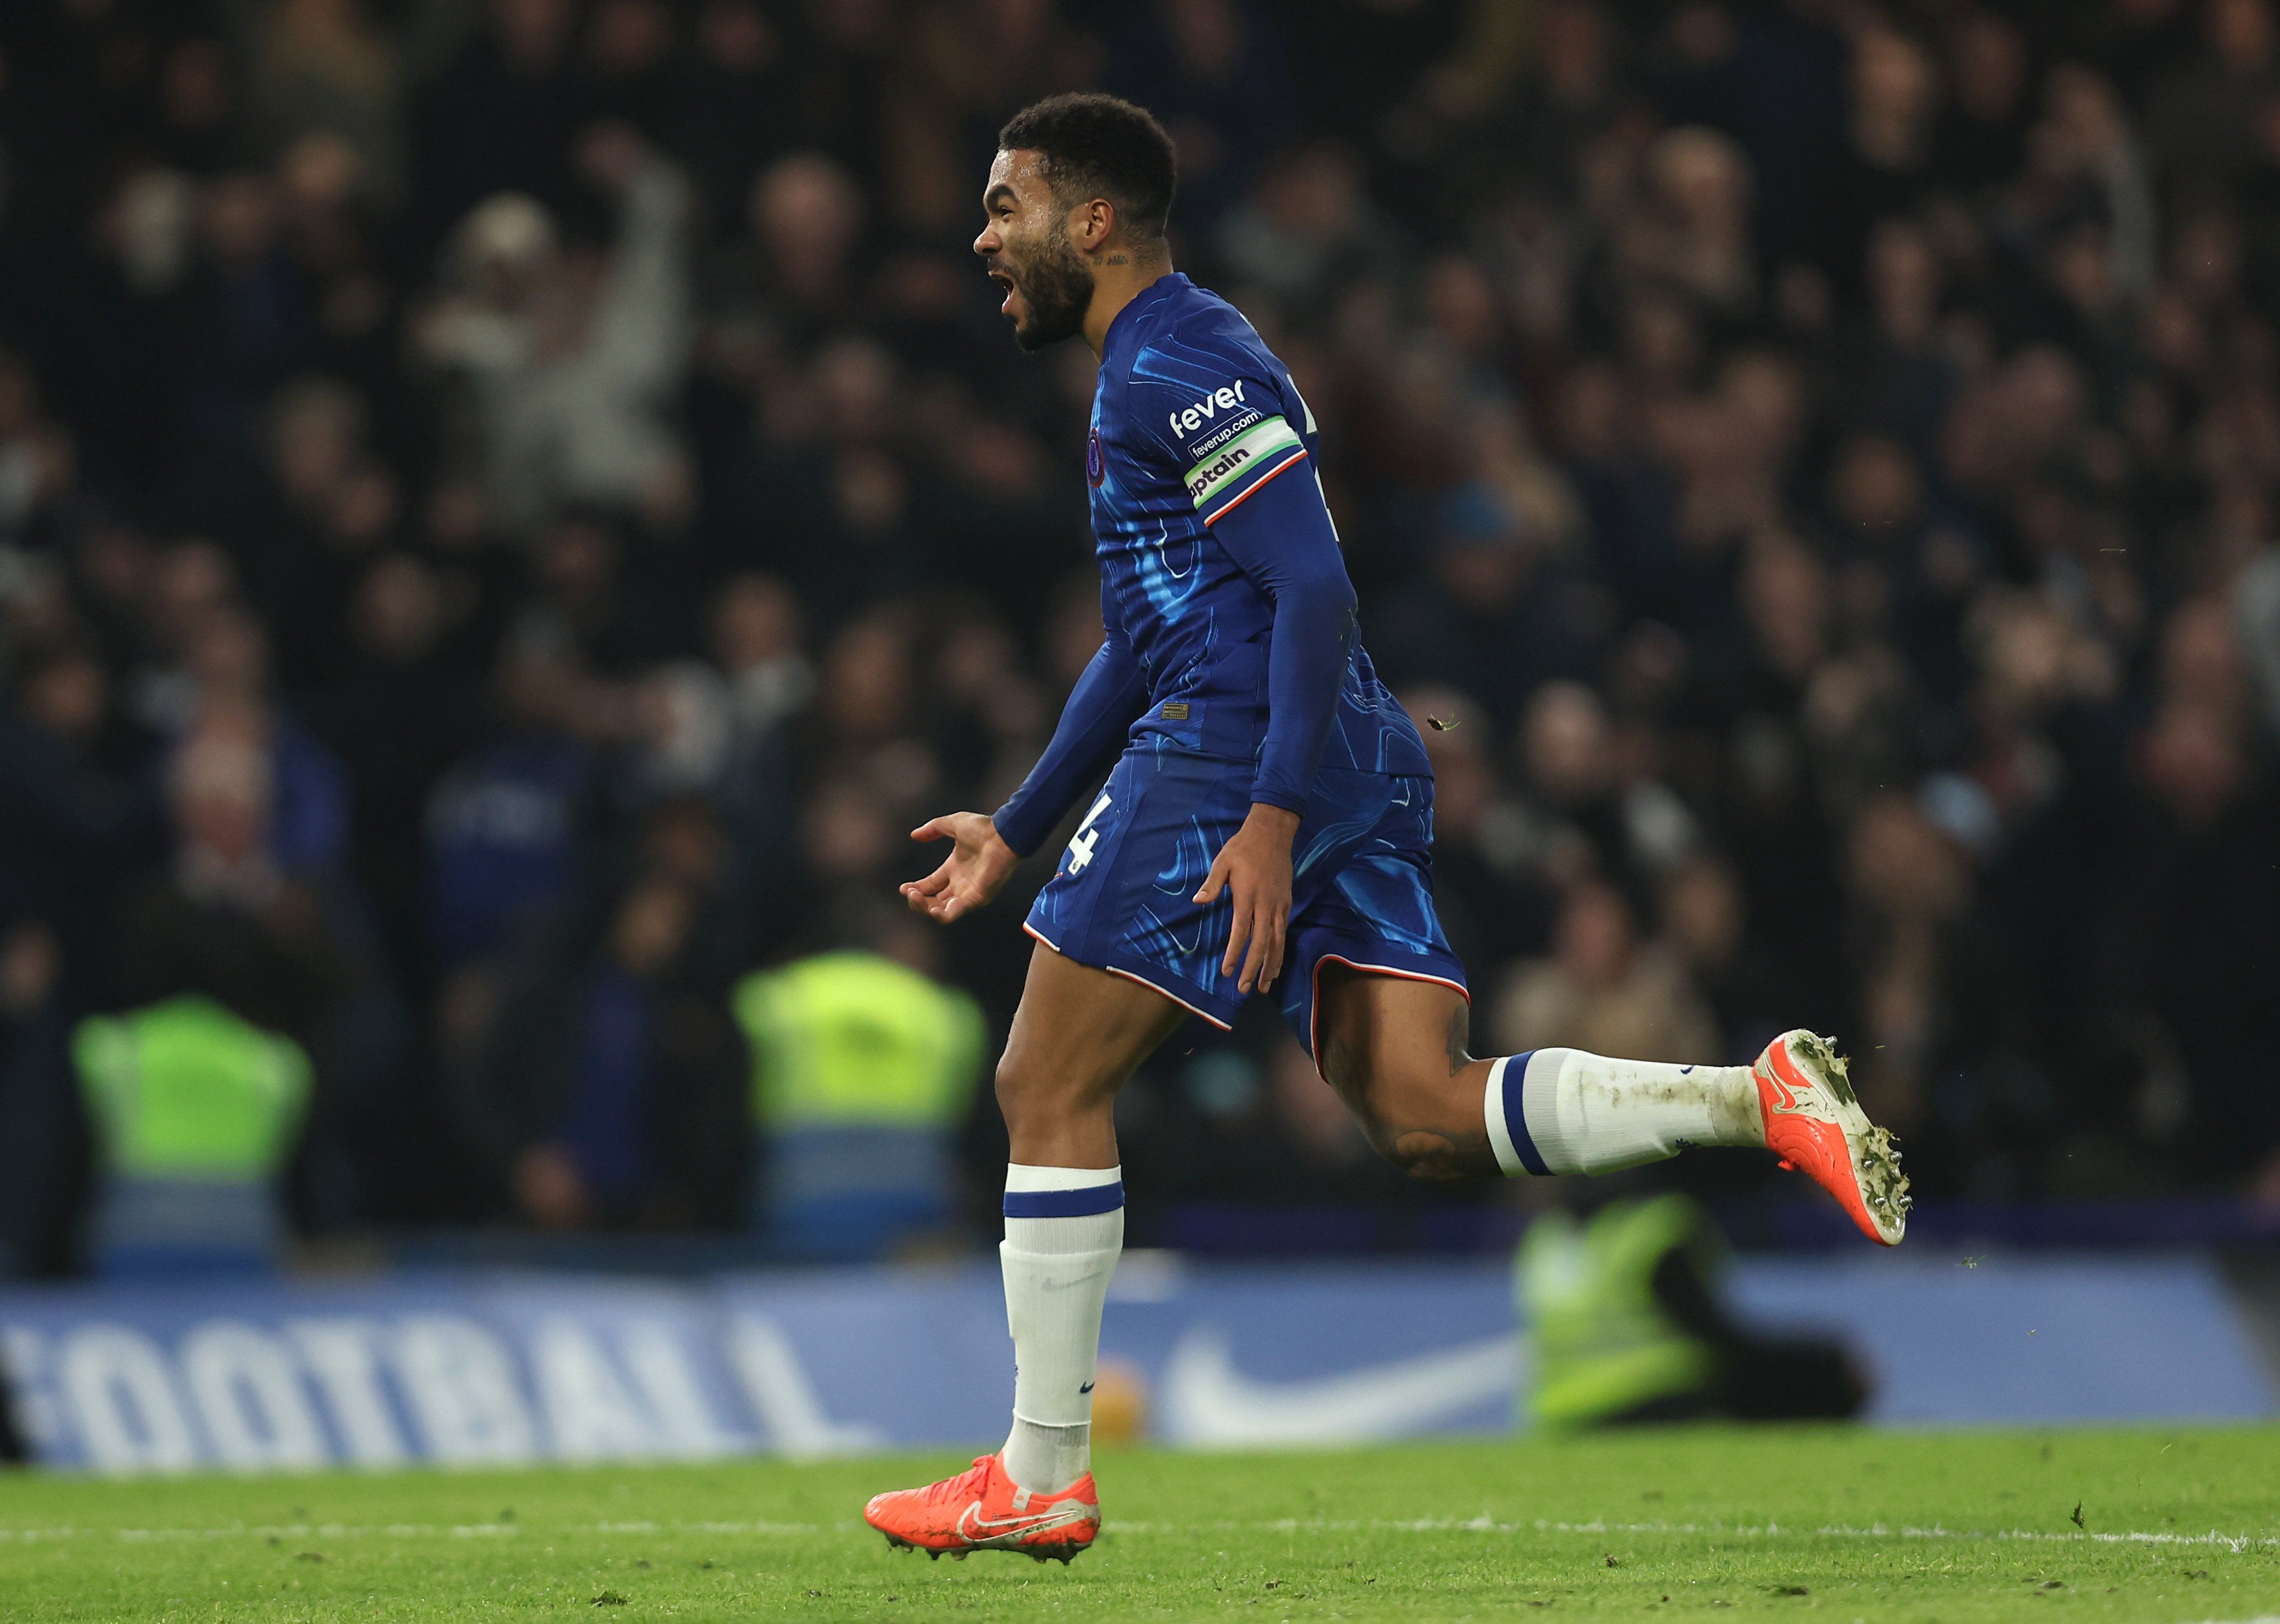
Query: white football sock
{"points": [[1063, 1229], [1562, 1110]]}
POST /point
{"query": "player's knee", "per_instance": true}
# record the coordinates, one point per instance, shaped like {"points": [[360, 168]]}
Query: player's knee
{"points": [[1017, 1091], [1029, 1094], [1418, 1123]]}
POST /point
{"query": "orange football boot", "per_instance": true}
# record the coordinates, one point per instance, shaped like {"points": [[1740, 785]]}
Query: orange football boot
{"points": [[982, 1509], [1814, 1124]]}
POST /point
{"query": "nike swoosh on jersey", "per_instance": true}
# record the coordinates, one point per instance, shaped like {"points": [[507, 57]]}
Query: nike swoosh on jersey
{"points": [[1208, 1400]]}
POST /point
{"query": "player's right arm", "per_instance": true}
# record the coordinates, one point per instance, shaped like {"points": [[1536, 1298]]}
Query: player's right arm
{"points": [[1100, 712]]}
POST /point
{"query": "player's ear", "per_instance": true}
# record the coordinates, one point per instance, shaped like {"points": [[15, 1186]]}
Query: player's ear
{"points": [[1094, 224]]}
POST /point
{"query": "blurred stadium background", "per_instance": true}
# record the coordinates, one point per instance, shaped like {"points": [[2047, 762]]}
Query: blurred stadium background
{"points": [[509, 509]]}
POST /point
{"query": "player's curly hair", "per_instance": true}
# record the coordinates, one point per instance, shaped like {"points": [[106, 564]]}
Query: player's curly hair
{"points": [[1101, 146]]}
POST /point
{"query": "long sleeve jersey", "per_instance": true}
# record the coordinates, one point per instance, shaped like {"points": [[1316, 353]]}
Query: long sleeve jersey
{"points": [[1227, 611]]}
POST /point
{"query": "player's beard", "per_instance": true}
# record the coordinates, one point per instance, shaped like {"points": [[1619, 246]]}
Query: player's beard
{"points": [[1058, 289]]}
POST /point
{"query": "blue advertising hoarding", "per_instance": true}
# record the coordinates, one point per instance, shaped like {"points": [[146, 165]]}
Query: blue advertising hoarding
{"points": [[474, 1368]]}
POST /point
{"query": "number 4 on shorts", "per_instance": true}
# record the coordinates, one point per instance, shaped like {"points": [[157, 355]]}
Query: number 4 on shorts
{"points": [[1081, 843]]}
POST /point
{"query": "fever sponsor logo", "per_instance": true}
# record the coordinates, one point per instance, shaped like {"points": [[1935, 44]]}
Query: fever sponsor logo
{"points": [[1208, 409], [1219, 436]]}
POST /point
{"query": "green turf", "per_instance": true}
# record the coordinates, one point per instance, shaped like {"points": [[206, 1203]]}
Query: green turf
{"points": [[2176, 1525]]}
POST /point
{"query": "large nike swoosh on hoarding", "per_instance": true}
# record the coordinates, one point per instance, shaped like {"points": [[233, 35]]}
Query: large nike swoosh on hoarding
{"points": [[1207, 1401]]}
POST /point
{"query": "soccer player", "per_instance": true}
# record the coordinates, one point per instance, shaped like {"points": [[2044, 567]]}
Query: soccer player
{"points": [[1266, 829]]}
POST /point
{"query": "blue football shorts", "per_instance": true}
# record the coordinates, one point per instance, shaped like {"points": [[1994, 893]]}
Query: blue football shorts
{"points": [[1361, 886]]}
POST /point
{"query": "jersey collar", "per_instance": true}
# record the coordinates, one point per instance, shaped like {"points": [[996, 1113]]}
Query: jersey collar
{"points": [[1140, 302]]}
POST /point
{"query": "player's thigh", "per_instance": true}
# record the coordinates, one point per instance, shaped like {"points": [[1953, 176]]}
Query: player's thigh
{"points": [[1396, 1050], [1078, 1033]]}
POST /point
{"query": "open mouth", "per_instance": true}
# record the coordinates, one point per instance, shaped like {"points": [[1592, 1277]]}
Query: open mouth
{"points": [[1005, 307]]}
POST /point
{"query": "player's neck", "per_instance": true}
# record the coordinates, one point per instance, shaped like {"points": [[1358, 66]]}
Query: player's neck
{"points": [[1119, 276]]}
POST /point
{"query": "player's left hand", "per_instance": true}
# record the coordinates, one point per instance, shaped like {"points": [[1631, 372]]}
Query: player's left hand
{"points": [[1254, 869], [971, 876]]}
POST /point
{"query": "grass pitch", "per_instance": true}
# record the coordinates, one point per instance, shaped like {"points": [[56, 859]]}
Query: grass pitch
{"points": [[2174, 1526]]}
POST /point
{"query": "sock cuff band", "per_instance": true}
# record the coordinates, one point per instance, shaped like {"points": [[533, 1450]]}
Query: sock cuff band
{"points": [[1508, 1119], [1062, 1192], [1023, 1177]]}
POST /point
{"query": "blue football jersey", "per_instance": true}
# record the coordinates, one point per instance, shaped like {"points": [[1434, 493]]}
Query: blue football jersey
{"points": [[1193, 415]]}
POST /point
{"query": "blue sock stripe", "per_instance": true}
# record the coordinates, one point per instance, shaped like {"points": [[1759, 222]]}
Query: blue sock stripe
{"points": [[1064, 1203], [1515, 1115]]}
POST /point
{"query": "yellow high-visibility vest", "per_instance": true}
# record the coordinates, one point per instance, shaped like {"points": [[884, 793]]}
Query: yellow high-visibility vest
{"points": [[852, 1039], [1602, 1344], [185, 1090]]}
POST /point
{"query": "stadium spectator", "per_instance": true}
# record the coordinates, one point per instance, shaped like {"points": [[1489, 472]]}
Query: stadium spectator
{"points": [[606, 1093], [192, 1112], [1600, 984], [43, 1195], [1632, 1321], [863, 1067], [69, 823], [571, 355]]}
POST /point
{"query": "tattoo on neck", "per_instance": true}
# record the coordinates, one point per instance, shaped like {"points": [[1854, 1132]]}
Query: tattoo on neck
{"points": [[1117, 259]]}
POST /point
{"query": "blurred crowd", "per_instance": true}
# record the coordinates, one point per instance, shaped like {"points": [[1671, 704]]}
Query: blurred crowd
{"points": [[511, 509]]}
